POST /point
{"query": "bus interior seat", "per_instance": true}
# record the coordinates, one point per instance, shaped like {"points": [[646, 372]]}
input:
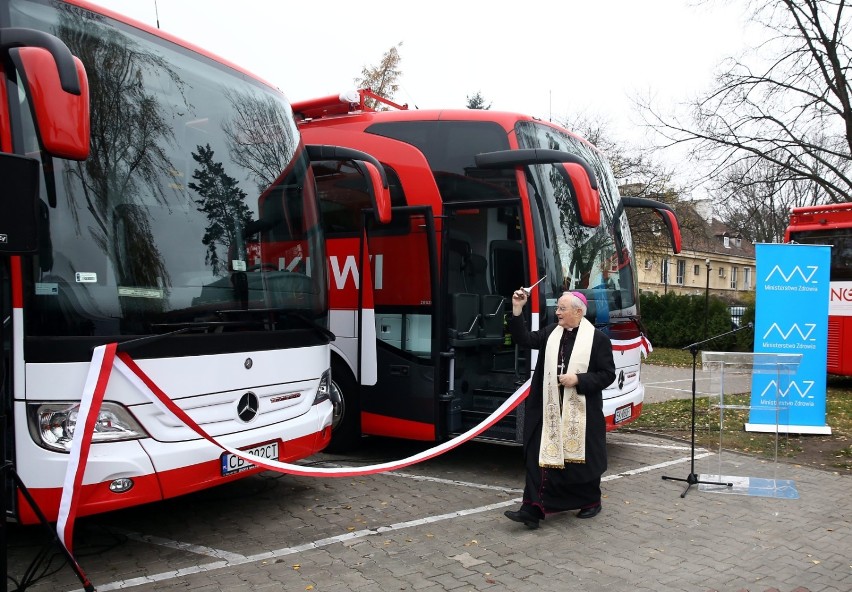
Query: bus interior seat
{"points": [[464, 314], [491, 305], [591, 310], [476, 280], [464, 319], [458, 253], [507, 266]]}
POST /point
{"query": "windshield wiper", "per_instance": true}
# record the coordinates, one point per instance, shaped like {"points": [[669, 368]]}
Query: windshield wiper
{"points": [[140, 341], [280, 311], [240, 319], [299, 316], [205, 325]]}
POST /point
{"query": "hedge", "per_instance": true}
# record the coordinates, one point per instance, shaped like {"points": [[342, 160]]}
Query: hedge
{"points": [[677, 321]]}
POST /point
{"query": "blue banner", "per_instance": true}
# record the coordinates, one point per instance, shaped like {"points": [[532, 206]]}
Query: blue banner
{"points": [[791, 317]]}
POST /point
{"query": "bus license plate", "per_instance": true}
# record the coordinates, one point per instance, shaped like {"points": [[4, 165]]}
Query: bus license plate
{"points": [[622, 414], [232, 464]]}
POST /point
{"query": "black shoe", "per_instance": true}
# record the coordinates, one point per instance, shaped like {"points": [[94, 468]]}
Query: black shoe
{"points": [[522, 516], [590, 512]]}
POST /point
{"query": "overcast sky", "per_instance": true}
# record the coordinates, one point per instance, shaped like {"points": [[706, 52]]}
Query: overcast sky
{"points": [[550, 59]]}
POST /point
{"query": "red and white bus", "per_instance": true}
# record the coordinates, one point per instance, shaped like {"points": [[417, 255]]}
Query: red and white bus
{"points": [[831, 225], [483, 202], [146, 212]]}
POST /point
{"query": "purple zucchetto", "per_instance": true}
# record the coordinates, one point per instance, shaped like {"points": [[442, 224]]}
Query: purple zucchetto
{"points": [[581, 297]]}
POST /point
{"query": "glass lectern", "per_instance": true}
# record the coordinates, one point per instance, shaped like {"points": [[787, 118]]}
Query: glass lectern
{"points": [[731, 373]]}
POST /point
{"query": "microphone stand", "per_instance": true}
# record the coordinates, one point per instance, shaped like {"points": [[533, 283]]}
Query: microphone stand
{"points": [[692, 478]]}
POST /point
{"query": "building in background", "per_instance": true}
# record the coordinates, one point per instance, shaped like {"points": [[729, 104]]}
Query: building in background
{"points": [[713, 260]]}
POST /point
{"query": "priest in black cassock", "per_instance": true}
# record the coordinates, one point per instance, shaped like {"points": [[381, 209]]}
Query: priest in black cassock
{"points": [[564, 426]]}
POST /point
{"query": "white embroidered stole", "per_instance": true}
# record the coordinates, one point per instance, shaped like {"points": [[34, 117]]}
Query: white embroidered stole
{"points": [[563, 433]]}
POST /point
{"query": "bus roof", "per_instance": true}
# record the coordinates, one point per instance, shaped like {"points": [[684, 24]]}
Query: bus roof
{"points": [[351, 107], [822, 217]]}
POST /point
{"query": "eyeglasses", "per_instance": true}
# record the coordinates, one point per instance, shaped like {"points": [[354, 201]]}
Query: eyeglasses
{"points": [[564, 309]]}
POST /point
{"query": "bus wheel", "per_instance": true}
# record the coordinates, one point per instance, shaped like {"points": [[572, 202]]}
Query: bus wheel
{"points": [[346, 417]]}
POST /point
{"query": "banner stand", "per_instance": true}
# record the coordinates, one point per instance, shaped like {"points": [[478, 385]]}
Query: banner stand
{"points": [[791, 316]]}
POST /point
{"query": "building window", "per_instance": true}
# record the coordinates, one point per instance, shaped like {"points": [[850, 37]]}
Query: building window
{"points": [[746, 278], [649, 264], [733, 278], [721, 272], [664, 271], [696, 270], [727, 242], [681, 271]]}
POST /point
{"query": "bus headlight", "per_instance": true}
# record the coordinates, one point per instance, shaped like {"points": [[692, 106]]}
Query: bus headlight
{"points": [[324, 388], [52, 425]]}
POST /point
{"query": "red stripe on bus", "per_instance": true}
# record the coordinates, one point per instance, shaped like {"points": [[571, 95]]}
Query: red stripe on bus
{"points": [[392, 427], [96, 497]]}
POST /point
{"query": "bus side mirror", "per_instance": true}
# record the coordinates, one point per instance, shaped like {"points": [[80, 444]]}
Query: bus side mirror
{"points": [[371, 169], [19, 204], [670, 220], [379, 194], [663, 211], [573, 169], [588, 198], [62, 117]]}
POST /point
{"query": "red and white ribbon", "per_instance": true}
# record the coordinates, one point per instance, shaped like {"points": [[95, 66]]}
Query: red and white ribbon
{"points": [[641, 342], [103, 360], [90, 404]]}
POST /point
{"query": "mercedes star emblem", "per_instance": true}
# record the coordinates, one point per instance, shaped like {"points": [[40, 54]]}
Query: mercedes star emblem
{"points": [[248, 406]]}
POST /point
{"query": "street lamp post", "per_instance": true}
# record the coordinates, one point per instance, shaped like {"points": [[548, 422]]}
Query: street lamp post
{"points": [[706, 296]]}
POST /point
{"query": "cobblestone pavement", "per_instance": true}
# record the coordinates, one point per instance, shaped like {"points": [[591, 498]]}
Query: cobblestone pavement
{"points": [[439, 525]]}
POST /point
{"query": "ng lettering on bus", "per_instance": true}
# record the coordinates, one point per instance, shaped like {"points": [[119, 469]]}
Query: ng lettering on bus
{"points": [[841, 294]]}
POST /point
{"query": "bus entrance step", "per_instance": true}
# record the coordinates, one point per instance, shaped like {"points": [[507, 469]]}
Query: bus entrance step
{"points": [[505, 429], [488, 400]]}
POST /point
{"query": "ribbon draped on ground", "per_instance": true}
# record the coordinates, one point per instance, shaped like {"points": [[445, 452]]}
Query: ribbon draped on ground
{"points": [[105, 357]]}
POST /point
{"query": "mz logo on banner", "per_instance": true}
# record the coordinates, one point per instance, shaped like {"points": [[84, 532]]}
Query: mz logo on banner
{"points": [[791, 317]]}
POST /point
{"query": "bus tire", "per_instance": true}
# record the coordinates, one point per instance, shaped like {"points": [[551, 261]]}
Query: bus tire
{"points": [[346, 421]]}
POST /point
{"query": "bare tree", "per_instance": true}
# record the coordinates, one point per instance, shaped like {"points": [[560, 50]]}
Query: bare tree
{"points": [[261, 138], [382, 79], [631, 165], [780, 121], [639, 174], [761, 200], [130, 137]]}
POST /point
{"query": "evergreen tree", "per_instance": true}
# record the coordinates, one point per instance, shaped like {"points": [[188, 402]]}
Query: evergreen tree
{"points": [[223, 202], [477, 101]]}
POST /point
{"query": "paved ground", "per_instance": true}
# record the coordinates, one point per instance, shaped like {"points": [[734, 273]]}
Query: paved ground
{"points": [[439, 526], [663, 383]]}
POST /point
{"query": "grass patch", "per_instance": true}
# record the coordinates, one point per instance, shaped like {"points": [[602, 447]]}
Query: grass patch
{"points": [[674, 419], [677, 358]]}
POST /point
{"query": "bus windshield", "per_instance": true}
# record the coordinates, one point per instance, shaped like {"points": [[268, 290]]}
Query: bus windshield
{"points": [[840, 240], [595, 261], [196, 208]]}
